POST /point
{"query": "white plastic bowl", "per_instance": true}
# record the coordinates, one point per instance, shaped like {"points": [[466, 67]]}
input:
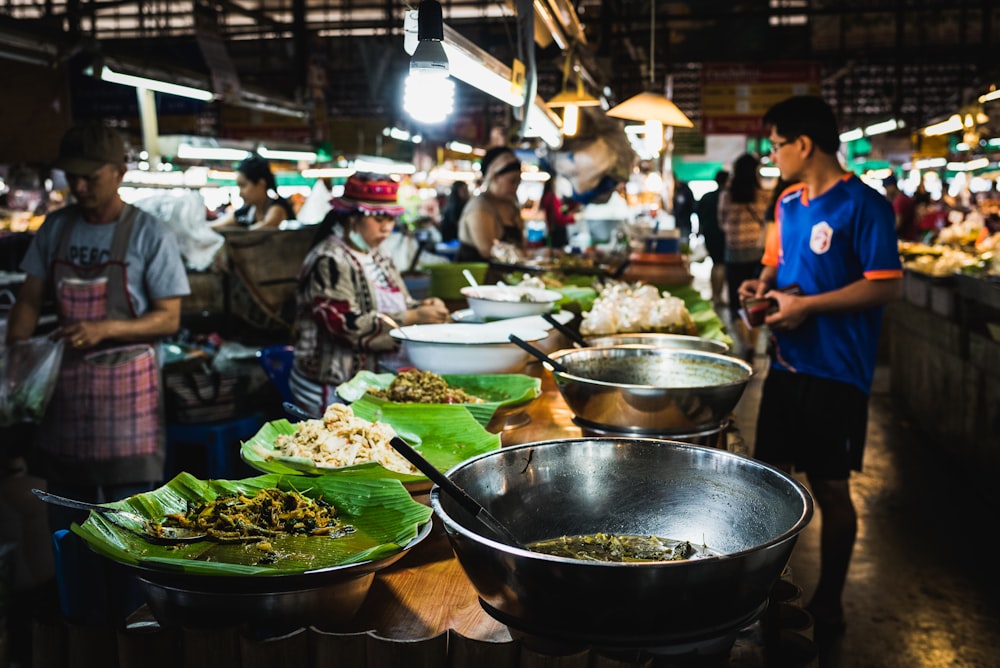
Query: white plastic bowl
{"points": [[457, 348], [497, 302]]}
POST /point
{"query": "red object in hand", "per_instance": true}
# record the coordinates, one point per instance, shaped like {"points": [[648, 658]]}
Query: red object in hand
{"points": [[757, 310]]}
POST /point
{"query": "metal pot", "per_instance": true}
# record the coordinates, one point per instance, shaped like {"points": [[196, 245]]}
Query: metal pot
{"points": [[747, 512], [683, 341], [646, 390], [322, 598]]}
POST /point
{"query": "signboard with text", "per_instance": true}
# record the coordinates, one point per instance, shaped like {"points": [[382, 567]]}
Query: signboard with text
{"points": [[734, 96]]}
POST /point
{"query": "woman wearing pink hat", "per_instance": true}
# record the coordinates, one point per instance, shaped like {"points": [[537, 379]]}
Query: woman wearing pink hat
{"points": [[345, 286]]}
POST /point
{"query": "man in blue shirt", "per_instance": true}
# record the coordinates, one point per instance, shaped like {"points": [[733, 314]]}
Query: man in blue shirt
{"points": [[835, 239]]}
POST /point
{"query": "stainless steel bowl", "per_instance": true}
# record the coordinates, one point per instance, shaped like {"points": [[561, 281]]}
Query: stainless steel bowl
{"points": [[646, 390], [323, 598], [683, 341], [749, 512]]}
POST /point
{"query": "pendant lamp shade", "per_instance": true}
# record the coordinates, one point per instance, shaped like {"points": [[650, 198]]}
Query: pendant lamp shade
{"points": [[647, 106], [579, 97]]}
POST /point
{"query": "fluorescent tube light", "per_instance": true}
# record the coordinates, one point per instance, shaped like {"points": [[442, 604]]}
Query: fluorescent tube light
{"points": [[989, 97], [953, 124], [386, 166], [978, 163], [458, 147], [884, 126], [328, 172], [189, 152], [107, 74], [851, 135], [295, 156], [930, 163]]}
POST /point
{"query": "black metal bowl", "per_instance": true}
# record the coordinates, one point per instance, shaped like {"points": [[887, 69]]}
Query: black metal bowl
{"points": [[748, 513], [650, 391], [323, 598]]}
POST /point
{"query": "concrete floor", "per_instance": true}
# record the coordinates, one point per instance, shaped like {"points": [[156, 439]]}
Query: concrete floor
{"points": [[923, 590]]}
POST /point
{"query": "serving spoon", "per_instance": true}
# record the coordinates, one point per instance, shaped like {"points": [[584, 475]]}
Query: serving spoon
{"points": [[558, 366], [569, 332], [455, 492], [151, 530]]}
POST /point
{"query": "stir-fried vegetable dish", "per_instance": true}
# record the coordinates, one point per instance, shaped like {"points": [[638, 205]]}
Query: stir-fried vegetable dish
{"points": [[233, 518], [423, 387], [619, 548]]}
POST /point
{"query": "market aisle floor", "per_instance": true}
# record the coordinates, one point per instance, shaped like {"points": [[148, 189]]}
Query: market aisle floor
{"points": [[923, 590]]}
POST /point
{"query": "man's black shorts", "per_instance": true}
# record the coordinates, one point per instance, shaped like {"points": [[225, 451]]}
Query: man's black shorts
{"points": [[815, 424]]}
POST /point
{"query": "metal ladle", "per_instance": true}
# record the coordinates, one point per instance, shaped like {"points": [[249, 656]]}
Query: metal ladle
{"points": [[569, 332], [558, 366], [151, 530], [389, 320], [455, 492]]}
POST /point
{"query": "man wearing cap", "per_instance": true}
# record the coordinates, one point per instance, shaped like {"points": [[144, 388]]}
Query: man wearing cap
{"points": [[346, 289], [117, 278]]}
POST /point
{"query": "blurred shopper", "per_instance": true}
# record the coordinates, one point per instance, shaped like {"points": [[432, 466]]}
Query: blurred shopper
{"points": [[742, 208], [834, 238], [707, 209], [452, 211], [930, 217], [494, 214], [557, 215], [117, 278], [262, 206], [683, 207], [903, 206], [345, 286]]}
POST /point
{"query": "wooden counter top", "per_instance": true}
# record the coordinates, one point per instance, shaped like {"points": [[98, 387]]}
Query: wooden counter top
{"points": [[427, 592]]}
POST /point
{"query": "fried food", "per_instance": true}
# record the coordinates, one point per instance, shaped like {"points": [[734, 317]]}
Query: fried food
{"points": [[423, 387]]}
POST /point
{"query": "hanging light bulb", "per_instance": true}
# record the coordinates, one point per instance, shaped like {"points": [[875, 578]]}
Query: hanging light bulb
{"points": [[571, 120], [572, 100], [429, 92], [654, 135]]}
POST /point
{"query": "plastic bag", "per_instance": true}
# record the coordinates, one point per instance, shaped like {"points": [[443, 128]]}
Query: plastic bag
{"points": [[28, 373], [184, 213]]}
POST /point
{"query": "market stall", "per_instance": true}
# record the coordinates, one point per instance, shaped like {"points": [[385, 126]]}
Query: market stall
{"points": [[423, 610]]}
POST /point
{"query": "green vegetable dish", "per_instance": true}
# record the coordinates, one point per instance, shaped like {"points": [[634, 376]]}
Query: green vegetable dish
{"points": [[620, 548]]}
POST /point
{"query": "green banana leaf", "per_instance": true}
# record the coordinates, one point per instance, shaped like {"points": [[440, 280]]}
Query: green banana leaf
{"points": [[444, 434], [383, 513], [498, 390], [708, 322]]}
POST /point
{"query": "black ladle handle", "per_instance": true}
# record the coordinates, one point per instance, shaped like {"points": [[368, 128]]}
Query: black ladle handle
{"points": [[454, 491], [49, 497], [569, 332], [515, 339]]}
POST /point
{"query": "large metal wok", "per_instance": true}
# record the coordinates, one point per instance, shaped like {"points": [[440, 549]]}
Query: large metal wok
{"points": [[650, 391], [747, 512]]}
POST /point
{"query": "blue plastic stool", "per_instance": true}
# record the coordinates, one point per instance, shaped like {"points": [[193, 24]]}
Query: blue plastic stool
{"points": [[219, 439], [277, 364], [92, 590]]}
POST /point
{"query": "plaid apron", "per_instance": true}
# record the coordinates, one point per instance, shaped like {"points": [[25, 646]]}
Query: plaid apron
{"points": [[106, 402]]}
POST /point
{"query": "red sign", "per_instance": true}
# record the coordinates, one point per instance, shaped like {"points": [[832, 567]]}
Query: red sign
{"points": [[734, 96]]}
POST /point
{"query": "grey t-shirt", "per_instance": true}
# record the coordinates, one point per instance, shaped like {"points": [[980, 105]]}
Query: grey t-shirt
{"points": [[154, 264]]}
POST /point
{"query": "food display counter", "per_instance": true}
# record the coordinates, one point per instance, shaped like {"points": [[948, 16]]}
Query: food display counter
{"points": [[945, 363], [422, 611]]}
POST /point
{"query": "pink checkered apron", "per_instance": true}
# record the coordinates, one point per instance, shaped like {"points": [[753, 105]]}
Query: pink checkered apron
{"points": [[106, 402]]}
